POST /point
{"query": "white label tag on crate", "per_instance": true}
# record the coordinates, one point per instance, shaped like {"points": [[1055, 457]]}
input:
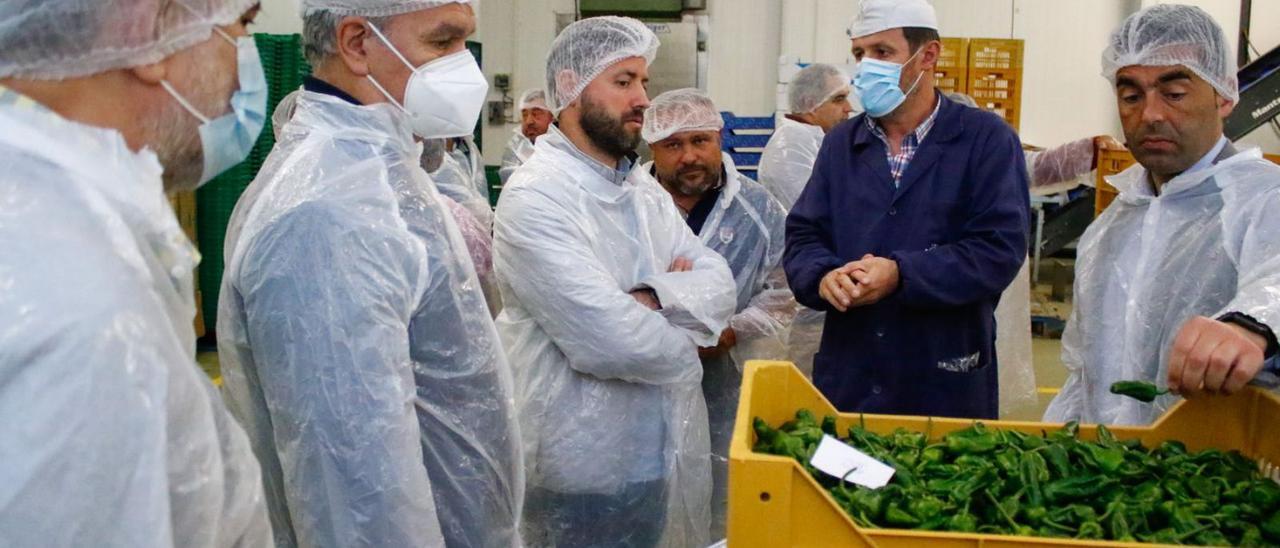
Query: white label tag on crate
{"points": [[838, 459]]}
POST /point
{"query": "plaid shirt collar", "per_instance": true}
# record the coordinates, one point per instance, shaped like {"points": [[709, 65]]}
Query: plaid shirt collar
{"points": [[919, 134]]}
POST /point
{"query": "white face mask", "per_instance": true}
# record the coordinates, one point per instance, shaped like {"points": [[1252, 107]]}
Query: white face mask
{"points": [[443, 97]]}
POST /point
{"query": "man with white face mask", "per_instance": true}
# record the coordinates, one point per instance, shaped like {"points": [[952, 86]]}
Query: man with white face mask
{"points": [[112, 435], [913, 222], [607, 296], [355, 341]]}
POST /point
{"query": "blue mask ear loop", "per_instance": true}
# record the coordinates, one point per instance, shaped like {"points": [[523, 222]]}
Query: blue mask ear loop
{"points": [[918, 76], [178, 96]]}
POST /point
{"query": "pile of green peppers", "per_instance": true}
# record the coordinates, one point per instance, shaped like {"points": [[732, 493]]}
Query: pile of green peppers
{"points": [[984, 480]]}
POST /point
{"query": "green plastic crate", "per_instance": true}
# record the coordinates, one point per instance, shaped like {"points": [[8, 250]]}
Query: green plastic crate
{"points": [[285, 68]]}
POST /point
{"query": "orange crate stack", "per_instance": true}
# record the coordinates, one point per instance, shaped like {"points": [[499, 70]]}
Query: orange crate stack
{"points": [[998, 91], [1110, 162], [995, 53]]}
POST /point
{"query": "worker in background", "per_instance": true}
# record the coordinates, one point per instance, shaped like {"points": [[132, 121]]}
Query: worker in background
{"points": [[737, 218], [1178, 282], [112, 435], [1045, 168], [818, 97], [456, 178], [477, 234], [354, 339], [467, 153], [608, 295], [535, 118], [1061, 163], [913, 222]]}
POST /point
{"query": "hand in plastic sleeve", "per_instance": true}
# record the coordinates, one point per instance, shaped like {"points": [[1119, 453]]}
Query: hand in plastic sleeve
{"points": [[1213, 357]]}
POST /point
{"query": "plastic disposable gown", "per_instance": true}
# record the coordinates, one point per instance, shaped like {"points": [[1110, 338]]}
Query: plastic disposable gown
{"points": [[519, 148], [455, 180], [785, 167], [356, 346], [112, 435], [747, 228], [1207, 245], [608, 391]]}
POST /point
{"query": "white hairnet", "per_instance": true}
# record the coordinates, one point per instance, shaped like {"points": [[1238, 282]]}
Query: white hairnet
{"points": [[680, 110], [588, 47], [1169, 35], [373, 8], [813, 85], [56, 39], [534, 98], [881, 15]]}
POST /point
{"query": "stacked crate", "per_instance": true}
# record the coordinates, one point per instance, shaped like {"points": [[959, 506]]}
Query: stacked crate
{"points": [[995, 76], [1110, 162], [952, 70]]}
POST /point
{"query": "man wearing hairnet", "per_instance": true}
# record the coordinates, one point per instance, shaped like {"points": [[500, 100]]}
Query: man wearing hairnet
{"points": [[112, 435], [914, 221], [607, 297], [535, 118], [355, 341], [1178, 282], [737, 218], [818, 97]]}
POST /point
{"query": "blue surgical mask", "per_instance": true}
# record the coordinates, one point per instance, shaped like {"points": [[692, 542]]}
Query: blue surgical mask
{"points": [[877, 85], [228, 139]]}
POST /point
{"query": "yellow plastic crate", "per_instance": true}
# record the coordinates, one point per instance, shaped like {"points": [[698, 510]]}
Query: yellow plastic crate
{"points": [[773, 501], [955, 53], [951, 80], [1110, 162], [995, 53]]}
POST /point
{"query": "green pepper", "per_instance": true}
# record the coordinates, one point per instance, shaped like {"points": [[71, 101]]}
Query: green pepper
{"points": [[1032, 471], [1108, 459], [898, 517], [1090, 530], [932, 455], [1076, 488], [1265, 495], [1251, 538], [963, 522], [869, 503], [1059, 461], [925, 507], [1008, 461], [973, 440], [1271, 527], [1138, 390], [1203, 487]]}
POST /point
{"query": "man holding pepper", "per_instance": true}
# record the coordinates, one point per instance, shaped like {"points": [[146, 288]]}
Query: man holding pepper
{"points": [[1180, 279]]}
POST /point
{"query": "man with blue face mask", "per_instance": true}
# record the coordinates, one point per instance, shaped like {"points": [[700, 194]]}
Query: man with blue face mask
{"points": [[912, 224], [356, 345], [112, 435]]}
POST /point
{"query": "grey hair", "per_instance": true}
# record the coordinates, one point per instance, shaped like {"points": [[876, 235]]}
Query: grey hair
{"points": [[320, 34]]}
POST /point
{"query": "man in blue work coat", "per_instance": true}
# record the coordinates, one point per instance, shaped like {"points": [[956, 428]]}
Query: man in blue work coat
{"points": [[912, 224]]}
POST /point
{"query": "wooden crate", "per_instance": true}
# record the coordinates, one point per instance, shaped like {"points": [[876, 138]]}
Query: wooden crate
{"points": [[184, 208], [998, 91], [1110, 162], [955, 53], [995, 53]]}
